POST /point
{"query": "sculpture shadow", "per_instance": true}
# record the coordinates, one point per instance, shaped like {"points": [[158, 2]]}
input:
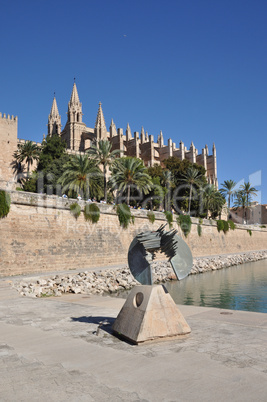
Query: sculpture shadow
{"points": [[105, 323]]}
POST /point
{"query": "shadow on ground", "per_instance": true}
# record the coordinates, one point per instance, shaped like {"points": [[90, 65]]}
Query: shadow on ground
{"points": [[105, 323]]}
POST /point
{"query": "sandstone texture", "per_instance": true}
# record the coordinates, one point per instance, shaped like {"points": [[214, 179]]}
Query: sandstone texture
{"points": [[40, 235], [150, 313]]}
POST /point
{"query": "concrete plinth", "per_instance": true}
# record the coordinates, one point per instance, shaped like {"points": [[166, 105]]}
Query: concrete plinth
{"points": [[150, 313]]}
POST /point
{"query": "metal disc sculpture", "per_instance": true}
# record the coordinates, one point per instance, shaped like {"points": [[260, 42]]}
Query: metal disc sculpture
{"points": [[144, 246]]}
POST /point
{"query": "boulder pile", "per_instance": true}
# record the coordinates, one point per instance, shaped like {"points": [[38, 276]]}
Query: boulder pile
{"points": [[120, 279]]}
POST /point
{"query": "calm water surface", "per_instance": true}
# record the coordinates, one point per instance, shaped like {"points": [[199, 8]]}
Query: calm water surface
{"points": [[243, 287]]}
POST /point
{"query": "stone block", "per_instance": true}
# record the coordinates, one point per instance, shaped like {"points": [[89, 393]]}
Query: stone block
{"points": [[150, 313]]}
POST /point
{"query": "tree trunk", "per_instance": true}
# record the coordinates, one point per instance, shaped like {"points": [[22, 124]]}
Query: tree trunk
{"points": [[128, 194], [105, 183], [190, 195]]}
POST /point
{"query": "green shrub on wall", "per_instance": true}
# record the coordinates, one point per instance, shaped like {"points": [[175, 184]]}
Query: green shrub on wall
{"points": [[219, 225], [249, 232], [222, 225], [199, 227], [75, 209], [124, 215], [231, 224], [169, 217], [151, 216], [225, 227], [5, 202], [91, 213], [185, 223]]}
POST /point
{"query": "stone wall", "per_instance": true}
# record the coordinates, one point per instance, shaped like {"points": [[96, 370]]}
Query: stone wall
{"points": [[8, 145], [40, 234]]}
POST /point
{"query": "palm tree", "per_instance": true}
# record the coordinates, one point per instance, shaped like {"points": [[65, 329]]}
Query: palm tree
{"points": [[101, 152], [241, 202], [192, 177], [167, 182], [28, 152], [213, 200], [228, 190], [128, 173], [248, 191], [81, 175]]}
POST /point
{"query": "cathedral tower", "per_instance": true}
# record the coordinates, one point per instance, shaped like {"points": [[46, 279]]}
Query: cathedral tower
{"points": [[74, 127]]}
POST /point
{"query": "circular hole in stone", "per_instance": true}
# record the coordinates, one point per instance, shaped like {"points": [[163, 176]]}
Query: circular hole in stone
{"points": [[138, 299]]}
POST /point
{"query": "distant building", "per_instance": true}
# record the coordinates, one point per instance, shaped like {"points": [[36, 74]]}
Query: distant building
{"points": [[255, 214], [79, 139]]}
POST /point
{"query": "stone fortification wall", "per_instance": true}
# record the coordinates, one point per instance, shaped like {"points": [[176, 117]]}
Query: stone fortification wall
{"points": [[8, 145], [40, 234]]}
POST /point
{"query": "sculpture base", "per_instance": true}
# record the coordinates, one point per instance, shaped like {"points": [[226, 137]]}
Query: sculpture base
{"points": [[150, 313]]}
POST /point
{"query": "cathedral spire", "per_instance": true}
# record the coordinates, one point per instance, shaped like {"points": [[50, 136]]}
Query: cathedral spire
{"points": [[100, 125], [160, 139], [54, 119], [100, 121], [74, 99], [112, 129], [54, 109], [74, 107], [128, 133]]}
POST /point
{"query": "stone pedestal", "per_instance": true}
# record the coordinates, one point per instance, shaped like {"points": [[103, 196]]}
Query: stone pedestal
{"points": [[150, 313]]}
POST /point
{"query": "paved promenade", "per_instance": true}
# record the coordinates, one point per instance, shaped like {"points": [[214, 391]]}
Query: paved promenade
{"points": [[52, 349]]}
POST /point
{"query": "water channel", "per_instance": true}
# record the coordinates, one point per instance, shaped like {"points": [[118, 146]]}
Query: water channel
{"points": [[242, 287]]}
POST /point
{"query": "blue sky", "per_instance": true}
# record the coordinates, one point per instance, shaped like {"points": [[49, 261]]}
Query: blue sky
{"points": [[194, 69]]}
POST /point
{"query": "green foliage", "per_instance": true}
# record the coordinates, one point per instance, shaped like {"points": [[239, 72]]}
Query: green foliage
{"points": [[75, 210], [151, 216], [91, 213], [228, 190], [169, 217], [27, 152], [199, 227], [187, 193], [52, 159], [129, 174], [178, 167], [124, 215], [19, 189], [225, 227], [231, 224], [81, 176], [222, 225], [156, 171], [30, 184], [213, 201], [262, 226], [249, 232], [5, 202], [53, 148], [103, 155], [185, 223]]}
